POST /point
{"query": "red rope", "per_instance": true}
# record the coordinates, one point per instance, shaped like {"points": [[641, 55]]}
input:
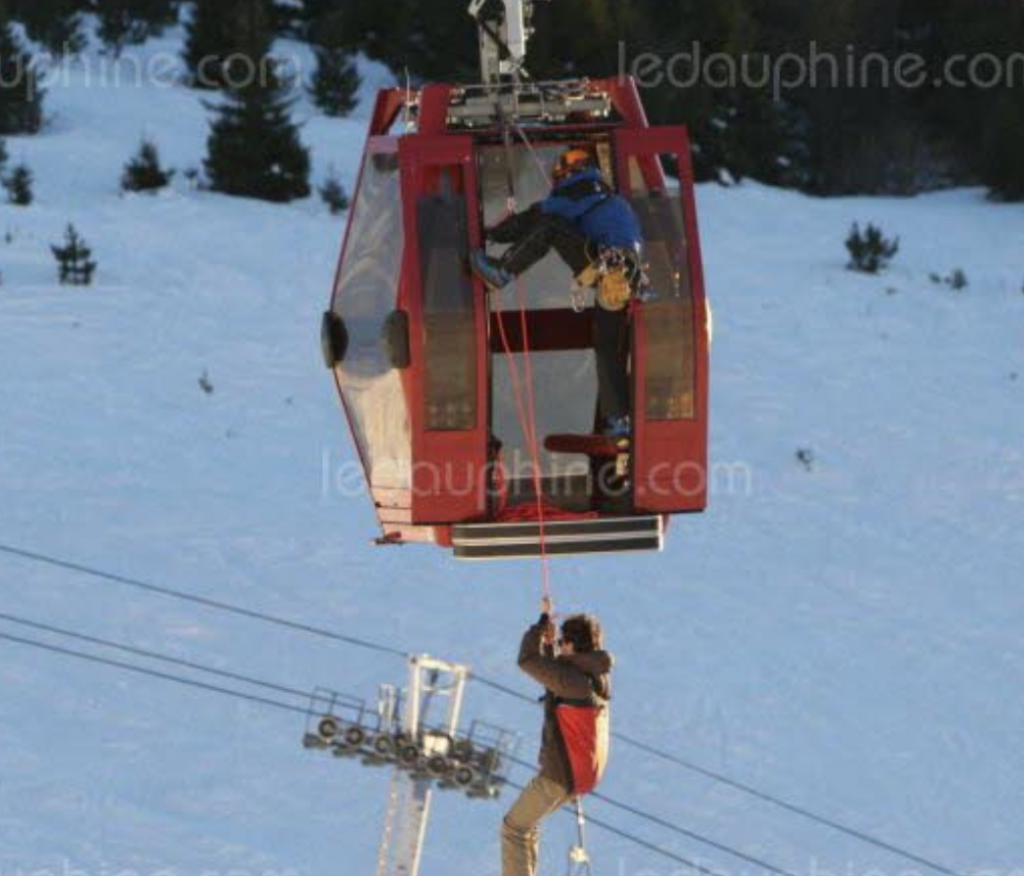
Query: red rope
{"points": [[532, 437], [528, 513], [528, 424]]}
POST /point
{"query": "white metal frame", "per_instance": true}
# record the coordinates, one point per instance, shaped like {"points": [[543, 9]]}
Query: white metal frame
{"points": [[405, 826]]}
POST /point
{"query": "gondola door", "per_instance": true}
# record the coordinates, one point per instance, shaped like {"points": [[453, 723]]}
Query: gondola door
{"points": [[448, 330], [670, 337]]}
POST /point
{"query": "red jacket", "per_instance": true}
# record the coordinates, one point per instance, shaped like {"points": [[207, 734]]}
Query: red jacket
{"points": [[574, 743]]}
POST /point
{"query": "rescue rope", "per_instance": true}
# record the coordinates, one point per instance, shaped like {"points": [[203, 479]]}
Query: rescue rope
{"points": [[525, 405], [534, 444], [528, 425]]}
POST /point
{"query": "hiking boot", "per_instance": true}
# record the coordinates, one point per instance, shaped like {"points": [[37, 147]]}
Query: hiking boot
{"points": [[616, 427], [489, 270]]}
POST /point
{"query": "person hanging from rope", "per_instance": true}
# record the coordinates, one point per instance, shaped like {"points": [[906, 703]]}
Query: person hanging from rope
{"points": [[575, 671], [597, 234]]}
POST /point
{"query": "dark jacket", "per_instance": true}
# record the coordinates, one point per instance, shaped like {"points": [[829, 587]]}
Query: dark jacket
{"points": [[604, 217], [574, 677]]}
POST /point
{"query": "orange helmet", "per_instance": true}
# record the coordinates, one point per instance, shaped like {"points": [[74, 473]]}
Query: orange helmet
{"points": [[570, 161]]}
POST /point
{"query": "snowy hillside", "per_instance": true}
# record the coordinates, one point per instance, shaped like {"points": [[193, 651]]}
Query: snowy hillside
{"points": [[845, 634]]}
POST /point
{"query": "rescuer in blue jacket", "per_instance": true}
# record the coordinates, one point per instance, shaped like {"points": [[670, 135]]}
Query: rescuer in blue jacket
{"points": [[597, 234]]}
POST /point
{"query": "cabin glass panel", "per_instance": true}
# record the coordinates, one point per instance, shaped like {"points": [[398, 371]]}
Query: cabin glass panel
{"points": [[364, 297], [671, 380], [450, 341]]}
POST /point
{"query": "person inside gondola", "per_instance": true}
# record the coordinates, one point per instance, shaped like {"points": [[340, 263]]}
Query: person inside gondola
{"points": [[597, 234]]}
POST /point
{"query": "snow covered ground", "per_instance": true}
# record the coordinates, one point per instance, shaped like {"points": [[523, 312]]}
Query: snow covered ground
{"points": [[848, 637]]}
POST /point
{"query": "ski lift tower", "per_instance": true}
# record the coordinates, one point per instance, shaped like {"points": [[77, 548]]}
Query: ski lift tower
{"points": [[405, 824]]}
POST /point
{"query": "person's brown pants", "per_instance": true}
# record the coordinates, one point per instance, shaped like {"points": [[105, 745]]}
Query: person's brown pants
{"points": [[520, 831]]}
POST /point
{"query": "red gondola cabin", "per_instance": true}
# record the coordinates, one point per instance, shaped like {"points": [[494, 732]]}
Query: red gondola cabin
{"points": [[425, 360]]}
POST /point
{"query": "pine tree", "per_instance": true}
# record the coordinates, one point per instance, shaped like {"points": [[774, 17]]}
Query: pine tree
{"points": [[211, 40], [254, 148], [19, 186], [1003, 159], [121, 24], [57, 24], [376, 27], [157, 14], [75, 264], [144, 173], [333, 194], [336, 80], [21, 98]]}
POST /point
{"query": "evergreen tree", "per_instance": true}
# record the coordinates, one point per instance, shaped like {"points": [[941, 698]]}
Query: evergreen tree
{"points": [[56, 24], [121, 24], [316, 12], [144, 173], [1003, 159], [75, 263], [849, 136], [254, 148], [19, 186], [21, 99], [211, 41], [336, 80]]}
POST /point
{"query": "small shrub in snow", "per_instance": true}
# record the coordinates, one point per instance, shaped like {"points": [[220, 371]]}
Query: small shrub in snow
{"points": [[957, 281], [75, 264], [19, 186], [144, 173], [870, 250], [334, 195]]}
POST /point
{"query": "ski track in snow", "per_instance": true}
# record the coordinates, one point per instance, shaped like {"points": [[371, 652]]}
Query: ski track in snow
{"points": [[847, 637]]}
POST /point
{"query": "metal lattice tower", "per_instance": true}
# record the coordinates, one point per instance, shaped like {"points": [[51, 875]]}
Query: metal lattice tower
{"points": [[405, 825]]}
